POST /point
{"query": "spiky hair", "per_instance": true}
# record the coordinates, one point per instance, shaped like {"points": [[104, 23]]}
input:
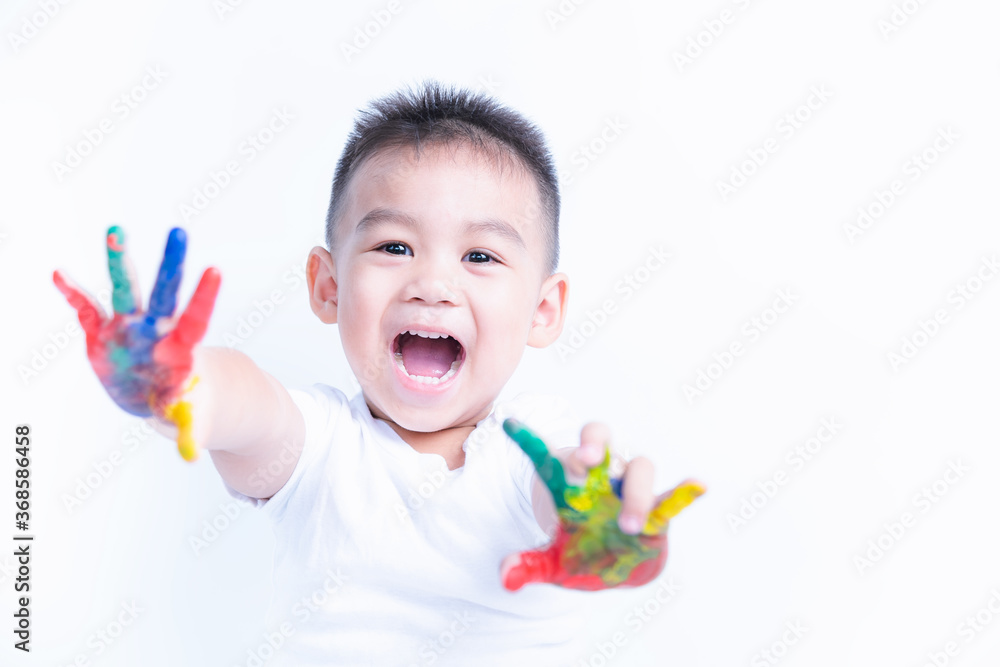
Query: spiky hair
{"points": [[435, 113]]}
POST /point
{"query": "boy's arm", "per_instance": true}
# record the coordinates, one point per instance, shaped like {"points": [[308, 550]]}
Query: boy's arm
{"points": [[245, 418]]}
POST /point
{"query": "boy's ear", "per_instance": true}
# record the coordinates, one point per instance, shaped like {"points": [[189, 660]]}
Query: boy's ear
{"points": [[321, 277], [550, 313]]}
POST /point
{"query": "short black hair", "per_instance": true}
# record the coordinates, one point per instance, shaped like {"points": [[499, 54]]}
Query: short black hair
{"points": [[435, 113]]}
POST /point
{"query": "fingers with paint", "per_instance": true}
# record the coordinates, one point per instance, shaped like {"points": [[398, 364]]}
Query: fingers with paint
{"points": [[144, 359], [590, 551]]}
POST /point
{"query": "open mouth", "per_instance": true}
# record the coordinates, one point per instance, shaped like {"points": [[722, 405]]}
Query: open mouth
{"points": [[428, 357]]}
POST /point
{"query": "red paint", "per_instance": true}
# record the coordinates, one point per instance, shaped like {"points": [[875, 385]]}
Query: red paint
{"points": [[551, 565], [115, 244]]}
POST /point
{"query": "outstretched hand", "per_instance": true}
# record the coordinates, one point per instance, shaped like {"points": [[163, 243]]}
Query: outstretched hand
{"points": [[590, 551], [144, 359]]}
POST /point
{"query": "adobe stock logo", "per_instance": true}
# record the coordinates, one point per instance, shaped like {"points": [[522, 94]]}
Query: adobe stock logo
{"points": [[752, 329], [31, 25], [968, 630], [926, 330], [787, 127], [796, 459], [915, 166], [588, 153], [124, 105], [698, 43], [894, 530], [218, 180], [381, 18], [779, 648], [899, 17], [627, 286]]}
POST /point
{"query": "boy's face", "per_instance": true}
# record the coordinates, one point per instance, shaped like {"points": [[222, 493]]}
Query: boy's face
{"points": [[443, 245]]}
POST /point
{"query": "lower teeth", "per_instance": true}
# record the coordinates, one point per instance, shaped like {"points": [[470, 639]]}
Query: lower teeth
{"points": [[429, 380]]}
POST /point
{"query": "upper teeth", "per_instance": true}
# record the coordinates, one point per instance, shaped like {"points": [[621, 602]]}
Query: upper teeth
{"points": [[427, 334]]}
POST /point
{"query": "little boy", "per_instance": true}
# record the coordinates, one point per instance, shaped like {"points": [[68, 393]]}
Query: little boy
{"points": [[400, 514]]}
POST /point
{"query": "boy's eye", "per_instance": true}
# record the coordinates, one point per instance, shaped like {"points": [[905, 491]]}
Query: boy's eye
{"points": [[395, 248], [480, 257]]}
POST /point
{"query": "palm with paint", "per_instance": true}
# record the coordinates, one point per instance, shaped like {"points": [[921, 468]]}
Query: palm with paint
{"points": [[144, 359], [590, 551]]}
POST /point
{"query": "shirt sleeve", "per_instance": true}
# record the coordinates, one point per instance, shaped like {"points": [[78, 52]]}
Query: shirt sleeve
{"points": [[321, 407]]}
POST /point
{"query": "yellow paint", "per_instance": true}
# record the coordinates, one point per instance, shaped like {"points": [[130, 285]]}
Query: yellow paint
{"points": [[596, 484], [179, 412], [682, 496]]}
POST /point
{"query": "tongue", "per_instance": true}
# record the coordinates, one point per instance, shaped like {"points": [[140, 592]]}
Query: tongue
{"points": [[429, 357]]}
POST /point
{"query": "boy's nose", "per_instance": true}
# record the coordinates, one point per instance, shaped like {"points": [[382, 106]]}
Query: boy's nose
{"points": [[433, 286]]}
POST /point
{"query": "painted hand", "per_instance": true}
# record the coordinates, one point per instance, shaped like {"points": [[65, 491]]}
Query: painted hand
{"points": [[143, 359], [590, 551]]}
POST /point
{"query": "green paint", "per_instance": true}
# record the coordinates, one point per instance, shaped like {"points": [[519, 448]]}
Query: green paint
{"points": [[122, 358], [549, 468], [121, 299], [590, 541]]}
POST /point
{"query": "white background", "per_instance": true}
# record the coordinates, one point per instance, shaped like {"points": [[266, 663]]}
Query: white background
{"points": [[685, 128]]}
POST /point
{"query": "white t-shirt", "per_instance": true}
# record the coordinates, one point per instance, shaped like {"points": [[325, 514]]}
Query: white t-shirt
{"points": [[386, 557]]}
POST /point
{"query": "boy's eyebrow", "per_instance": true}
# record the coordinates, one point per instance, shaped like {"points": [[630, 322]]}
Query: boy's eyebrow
{"points": [[381, 216]]}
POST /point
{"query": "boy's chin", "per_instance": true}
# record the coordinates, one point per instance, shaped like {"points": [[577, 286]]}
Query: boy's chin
{"points": [[423, 419], [431, 419]]}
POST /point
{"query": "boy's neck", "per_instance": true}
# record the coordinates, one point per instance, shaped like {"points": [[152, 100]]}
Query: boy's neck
{"points": [[447, 442]]}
